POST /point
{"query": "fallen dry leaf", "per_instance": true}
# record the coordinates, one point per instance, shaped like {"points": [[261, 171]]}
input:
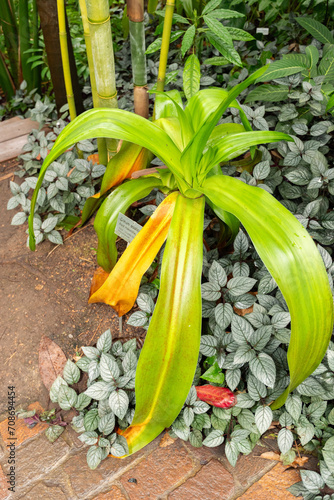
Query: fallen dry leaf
{"points": [[51, 361], [94, 158], [298, 462], [166, 440], [271, 455]]}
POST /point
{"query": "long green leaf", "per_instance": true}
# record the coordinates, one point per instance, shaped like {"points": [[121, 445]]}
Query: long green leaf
{"points": [[317, 30], [268, 93], [226, 50], [283, 67], [205, 102], [234, 145], [105, 222], [293, 260], [111, 123], [326, 66], [191, 76], [192, 153], [167, 362]]}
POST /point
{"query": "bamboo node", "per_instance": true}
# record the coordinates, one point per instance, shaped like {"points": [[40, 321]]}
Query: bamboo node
{"points": [[99, 22], [108, 97]]}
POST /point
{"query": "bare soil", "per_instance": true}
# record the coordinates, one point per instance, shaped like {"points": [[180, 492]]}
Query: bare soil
{"points": [[45, 293]]}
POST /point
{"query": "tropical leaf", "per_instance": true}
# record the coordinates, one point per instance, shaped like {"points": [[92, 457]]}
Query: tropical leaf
{"points": [[268, 93], [188, 39], [120, 288], [227, 50], [316, 29], [192, 153], [326, 66], [235, 144], [293, 260], [105, 222], [281, 68], [191, 76], [129, 159], [167, 362], [111, 123]]}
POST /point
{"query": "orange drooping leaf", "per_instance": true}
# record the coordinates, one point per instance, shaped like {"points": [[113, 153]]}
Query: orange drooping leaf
{"points": [[120, 288], [216, 396], [99, 278], [129, 159], [51, 361]]}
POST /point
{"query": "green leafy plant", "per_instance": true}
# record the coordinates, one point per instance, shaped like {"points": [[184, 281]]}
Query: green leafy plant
{"points": [[191, 146], [107, 404], [17, 24], [315, 66], [215, 32]]}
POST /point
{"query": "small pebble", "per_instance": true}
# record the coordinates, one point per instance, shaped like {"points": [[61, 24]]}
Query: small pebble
{"points": [[70, 335]]}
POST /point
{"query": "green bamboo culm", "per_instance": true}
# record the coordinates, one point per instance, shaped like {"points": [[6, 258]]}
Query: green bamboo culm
{"points": [[152, 6], [36, 73], [101, 142], [170, 4], [65, 58], [24, 43], [165, 47], [103, 58], [10, 31], [135, 10], [6, 81]]}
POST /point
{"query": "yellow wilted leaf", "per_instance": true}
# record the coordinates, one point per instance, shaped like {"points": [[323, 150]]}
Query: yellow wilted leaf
{"points": [[120, 288]]}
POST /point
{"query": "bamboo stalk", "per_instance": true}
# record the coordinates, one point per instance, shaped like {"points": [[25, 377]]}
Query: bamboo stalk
{"points": [[165, 44], [65, 58], [6, 81], [152, 6], [101, 142], [103, 57], [24, 43], [165, 47], [138, 57], [9, 28], [36, 74]]}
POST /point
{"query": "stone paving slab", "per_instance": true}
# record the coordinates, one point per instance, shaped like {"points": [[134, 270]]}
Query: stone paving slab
{"points": [[167, 469]]}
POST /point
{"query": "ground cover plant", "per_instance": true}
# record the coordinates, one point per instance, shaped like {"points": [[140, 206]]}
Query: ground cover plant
{"points": [[187, 173], [247, 354]]}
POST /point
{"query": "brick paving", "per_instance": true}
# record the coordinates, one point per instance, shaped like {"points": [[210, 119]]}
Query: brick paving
{"points": [[167, 469]]}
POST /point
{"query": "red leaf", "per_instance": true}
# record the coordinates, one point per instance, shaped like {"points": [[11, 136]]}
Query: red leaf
{"points": [[216, 396], [51, 361]]}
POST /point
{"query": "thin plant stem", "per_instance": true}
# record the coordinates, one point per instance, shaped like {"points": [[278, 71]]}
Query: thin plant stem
{"points": [[65, 58]]}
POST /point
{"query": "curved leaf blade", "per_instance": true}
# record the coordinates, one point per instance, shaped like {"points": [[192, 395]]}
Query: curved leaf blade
{"points": [[115, 124], [120, 289], [292, 258], [167, 362], [117, 202], [233, 145]]}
